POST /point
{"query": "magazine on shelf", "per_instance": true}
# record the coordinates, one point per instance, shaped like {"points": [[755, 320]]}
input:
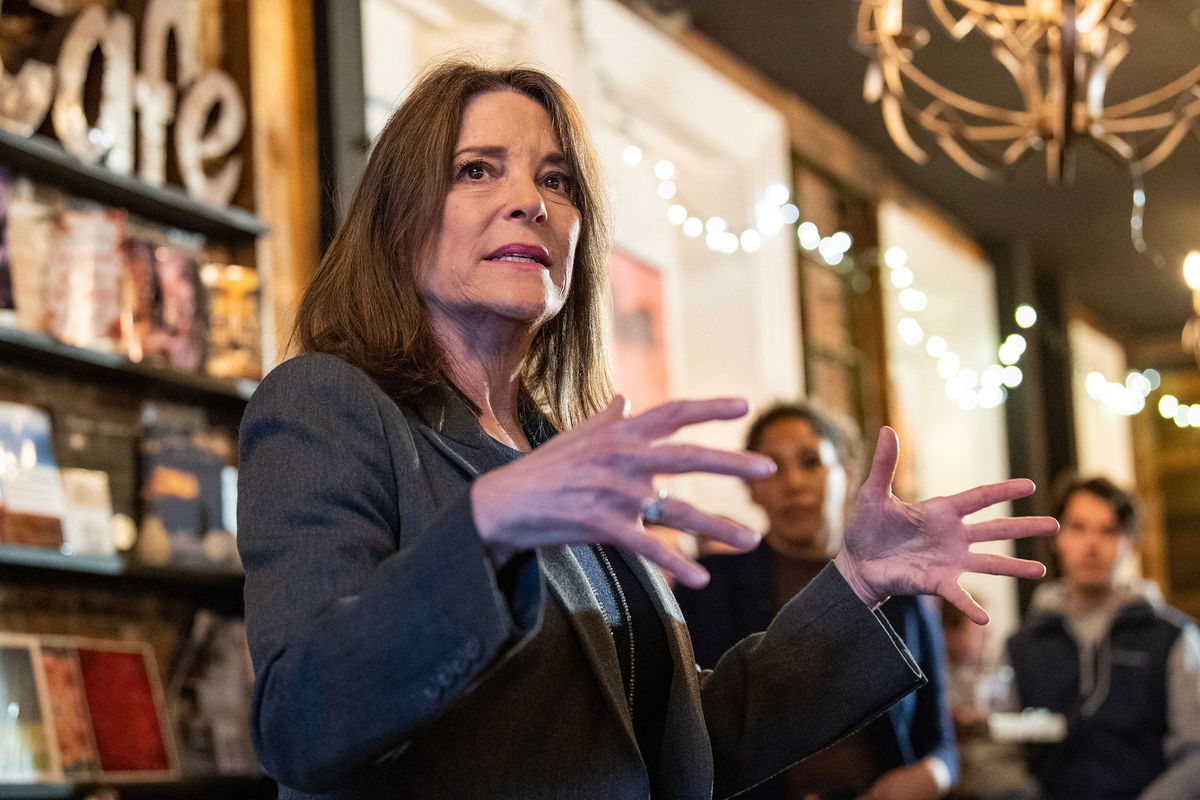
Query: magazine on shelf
{"points": [[27, 745], [32, 503]]}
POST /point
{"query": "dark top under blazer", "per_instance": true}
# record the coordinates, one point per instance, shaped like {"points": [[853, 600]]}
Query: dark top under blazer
{"points": [[737, 602], [391, 662]]}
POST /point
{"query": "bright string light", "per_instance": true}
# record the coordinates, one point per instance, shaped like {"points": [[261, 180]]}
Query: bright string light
{"points": [[895, 257], [1026, 316]]}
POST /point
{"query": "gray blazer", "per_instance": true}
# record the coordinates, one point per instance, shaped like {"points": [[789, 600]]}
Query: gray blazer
{"points": [[392, 661]]}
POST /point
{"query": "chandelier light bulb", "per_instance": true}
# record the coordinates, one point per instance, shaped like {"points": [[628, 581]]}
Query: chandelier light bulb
{"points": [[1025, 315]]}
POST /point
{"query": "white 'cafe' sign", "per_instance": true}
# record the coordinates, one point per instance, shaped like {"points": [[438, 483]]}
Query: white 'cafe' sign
{"points": [[57, 89]]}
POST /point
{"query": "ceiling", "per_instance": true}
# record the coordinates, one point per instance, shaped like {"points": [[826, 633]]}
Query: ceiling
{"points": [[1080, 231]]}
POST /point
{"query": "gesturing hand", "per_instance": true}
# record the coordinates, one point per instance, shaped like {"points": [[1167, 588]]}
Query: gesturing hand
{"points": [[589, 484], [895, 548]]}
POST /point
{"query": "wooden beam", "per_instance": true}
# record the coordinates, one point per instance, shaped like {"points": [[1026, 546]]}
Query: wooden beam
{"points": [[284, 114]]}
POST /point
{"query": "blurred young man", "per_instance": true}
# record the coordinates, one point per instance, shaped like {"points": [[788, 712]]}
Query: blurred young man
{"points": [[1123, 667]]}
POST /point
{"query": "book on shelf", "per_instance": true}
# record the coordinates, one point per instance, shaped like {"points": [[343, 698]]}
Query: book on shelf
{"points": [[233, 321], [109, 710], [88, 523], [77, 751], [32, 503], [8, 313], [85, 267], [183, 459], [177, 334], [29, 230], [209, 692], [28, 752], [126, 708]]}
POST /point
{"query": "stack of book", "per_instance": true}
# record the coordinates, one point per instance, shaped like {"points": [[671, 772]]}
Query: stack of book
{"points": [[97, 277]]}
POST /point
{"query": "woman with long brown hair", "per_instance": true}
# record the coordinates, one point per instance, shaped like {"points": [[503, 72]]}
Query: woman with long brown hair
{"points": [[448, 598]]}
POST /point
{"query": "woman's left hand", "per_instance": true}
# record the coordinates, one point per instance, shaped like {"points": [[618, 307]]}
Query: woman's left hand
{"points": [[898, 548]]}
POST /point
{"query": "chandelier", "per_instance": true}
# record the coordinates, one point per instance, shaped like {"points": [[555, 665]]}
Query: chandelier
{"points": [[1060, 53]]}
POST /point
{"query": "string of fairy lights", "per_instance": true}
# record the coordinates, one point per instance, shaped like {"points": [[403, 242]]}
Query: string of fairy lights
{"points": [[969, 386], [773, 212]]}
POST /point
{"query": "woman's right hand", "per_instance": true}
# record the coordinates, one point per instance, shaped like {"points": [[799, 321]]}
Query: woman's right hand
{"points": [[590, 485]]}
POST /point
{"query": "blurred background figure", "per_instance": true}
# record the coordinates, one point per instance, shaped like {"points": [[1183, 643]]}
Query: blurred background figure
{"points": [[908, 753], [977, 686], [1106, 651]]}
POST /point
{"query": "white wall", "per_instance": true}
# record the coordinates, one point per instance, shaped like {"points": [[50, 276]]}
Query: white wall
{"points": [[946, 448], [730, 319], [1103, 438]]}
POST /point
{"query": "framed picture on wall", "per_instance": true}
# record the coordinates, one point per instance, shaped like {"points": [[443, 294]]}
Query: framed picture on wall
{"points": [[638, 343]]}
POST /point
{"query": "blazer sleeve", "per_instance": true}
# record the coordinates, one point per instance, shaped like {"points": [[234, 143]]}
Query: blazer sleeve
{"points": [[932, 728], [825, 666], [361, 628]]}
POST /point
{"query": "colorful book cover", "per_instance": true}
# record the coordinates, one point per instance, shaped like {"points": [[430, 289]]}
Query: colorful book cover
{"points": [[183, 458], [138, 296], [87, 525], [95, 430], [233, 331], [72, 725], [125, 707], [32, 504], [179, 319], [27, 752], [30, 225], [86, 267]]}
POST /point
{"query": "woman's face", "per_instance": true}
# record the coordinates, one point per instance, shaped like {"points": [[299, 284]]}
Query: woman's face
{"points": [[506, 244], [805, 499]]}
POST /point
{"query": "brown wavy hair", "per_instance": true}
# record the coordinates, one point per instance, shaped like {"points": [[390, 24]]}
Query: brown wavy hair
{"points": [[363, 303]]}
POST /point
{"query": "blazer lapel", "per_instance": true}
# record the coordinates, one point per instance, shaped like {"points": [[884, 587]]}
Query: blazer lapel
{"points": [[686, 750], [463, 442], [458, 436], [566, 579]]}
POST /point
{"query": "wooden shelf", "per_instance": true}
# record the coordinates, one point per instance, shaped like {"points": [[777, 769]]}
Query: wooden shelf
{"points": [[39, 350], [227, 787], [220, 586], [43, 159]]}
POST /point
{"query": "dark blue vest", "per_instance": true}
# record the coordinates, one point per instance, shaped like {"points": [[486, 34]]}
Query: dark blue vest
{"points": [[1114, 744]]}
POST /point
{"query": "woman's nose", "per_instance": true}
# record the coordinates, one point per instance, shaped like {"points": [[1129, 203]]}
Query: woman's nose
{"points": [[793, 477], [525, 201]]}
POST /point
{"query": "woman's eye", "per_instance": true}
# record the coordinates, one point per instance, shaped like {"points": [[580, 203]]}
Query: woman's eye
{"points": [[475, 171], [557, 182]]}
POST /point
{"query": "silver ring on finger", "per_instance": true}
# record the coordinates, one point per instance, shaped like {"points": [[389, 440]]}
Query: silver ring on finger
{"points": [[654, 509]]}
